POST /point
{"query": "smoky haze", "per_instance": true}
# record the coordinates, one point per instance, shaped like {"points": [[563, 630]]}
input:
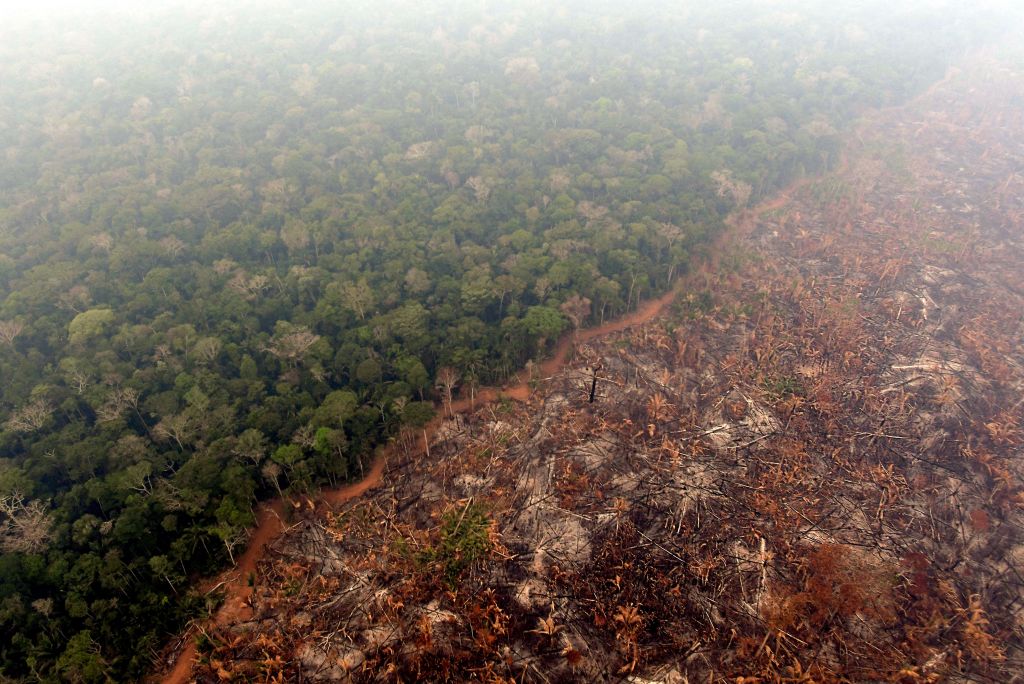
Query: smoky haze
{"points": [[767, 250]]}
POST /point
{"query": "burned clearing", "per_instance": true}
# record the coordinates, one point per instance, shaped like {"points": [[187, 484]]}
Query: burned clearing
{"points": [[808, 471]]}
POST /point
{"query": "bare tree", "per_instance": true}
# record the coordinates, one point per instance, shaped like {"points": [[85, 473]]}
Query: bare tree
{"points": [[450, 177], [26, 527], [208, 348], [672, 234], [172, 246], [359, 297], [177, 427], [30, 417], [542, 287], [730, 186], [576, 308], [169, 496], [471, 381], [272, 472], [319, 373], [292, 346], [480, 186], [522, 70], [43, 606], [233, 537], [118, 401], [78, 379], [224, 266], [446, 380], [102, 242], [9, 330], [251, 288], [305, 437]]}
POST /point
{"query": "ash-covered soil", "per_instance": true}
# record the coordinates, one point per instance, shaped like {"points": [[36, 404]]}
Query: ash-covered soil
{"points": [[810, 470]]}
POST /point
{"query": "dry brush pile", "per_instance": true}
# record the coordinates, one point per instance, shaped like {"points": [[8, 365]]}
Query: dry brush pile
{"points": [[810, 471]]}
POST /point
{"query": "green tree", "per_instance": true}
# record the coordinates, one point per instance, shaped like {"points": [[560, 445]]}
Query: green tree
{"points": [[89, 324]]}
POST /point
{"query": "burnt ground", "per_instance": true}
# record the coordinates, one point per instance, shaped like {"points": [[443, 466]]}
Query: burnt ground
{"points": [[808, 471]]}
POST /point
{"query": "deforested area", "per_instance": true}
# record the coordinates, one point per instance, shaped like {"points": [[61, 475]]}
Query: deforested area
{"points": [[806, 470]]}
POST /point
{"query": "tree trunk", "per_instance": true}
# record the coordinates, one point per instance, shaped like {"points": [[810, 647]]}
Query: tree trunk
{"points": [[231, 553]]}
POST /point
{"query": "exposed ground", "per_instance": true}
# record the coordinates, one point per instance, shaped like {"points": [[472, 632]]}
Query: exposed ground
{"points": [[808, 470]]}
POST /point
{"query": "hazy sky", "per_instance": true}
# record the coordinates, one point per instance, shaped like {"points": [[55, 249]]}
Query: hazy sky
{"points": [[51, 6], [22, 8]]}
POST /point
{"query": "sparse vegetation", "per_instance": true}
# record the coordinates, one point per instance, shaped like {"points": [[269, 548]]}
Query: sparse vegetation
{"points": [[463, 539]]}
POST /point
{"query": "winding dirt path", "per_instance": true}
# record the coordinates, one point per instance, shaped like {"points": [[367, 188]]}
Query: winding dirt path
{"points": [[235, 581]]}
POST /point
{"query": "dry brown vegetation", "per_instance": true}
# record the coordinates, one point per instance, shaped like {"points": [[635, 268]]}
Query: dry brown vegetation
{"points": [[809, 473]]}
